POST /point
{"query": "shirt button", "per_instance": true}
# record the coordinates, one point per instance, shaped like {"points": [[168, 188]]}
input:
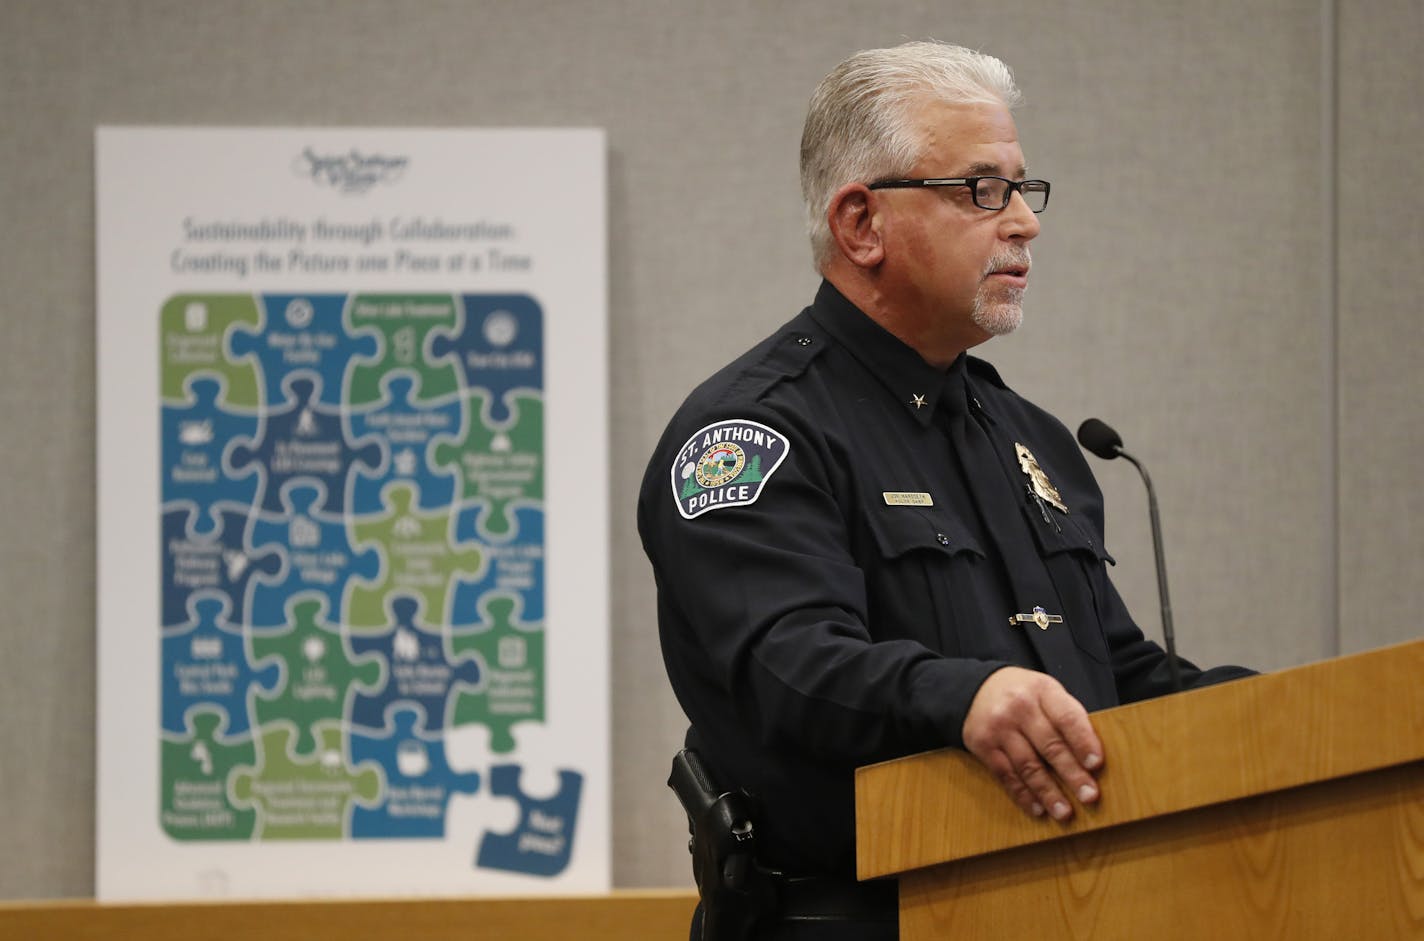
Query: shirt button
{"points": [[942, 539], [804, 341]]}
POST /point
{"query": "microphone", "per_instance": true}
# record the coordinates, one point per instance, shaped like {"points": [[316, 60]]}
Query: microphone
{"points": [[1098, 437]]}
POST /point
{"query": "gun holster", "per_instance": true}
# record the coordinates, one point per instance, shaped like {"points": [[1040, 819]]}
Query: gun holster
{"points": [[736, 892]]}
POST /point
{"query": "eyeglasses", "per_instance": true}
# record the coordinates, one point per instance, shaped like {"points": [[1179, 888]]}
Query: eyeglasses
{"points": [[990, 192]]}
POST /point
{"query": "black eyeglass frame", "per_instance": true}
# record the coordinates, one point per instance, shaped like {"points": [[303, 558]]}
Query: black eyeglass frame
{"points": [[1011, 187]]}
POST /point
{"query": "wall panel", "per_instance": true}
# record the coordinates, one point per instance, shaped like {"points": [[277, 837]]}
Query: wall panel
{"points": [[1381, 320]]}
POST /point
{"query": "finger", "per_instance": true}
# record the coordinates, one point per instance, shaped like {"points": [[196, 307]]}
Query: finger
{"points": [[1032, 773], [998, 763], [1052, 747], [1072, 723]]}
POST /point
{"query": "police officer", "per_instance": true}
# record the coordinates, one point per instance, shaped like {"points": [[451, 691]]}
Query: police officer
{"points": [[865, 543]]}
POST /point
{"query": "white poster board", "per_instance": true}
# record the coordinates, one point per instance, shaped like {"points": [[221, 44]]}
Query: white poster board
{"points": [[352, 578]]}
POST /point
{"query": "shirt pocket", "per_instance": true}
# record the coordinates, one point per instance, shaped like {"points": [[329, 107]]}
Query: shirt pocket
{"points": [[920, 563], [1076, 562]]}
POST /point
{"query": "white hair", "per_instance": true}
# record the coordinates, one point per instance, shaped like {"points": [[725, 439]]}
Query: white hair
{"points": [[858, 126]]}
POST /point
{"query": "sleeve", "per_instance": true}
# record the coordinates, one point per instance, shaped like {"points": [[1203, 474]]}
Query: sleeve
{"points": [[763, 608], [1140, 665]]}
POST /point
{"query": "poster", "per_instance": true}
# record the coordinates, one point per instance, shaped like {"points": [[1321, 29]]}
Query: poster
{"points": [[352, 608]]}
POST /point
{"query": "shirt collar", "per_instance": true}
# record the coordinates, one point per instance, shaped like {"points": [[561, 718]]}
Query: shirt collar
{"points": [[915, 384]]}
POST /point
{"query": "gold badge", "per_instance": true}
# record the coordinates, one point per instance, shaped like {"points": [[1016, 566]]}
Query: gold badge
{"points": [[1037, 479]]}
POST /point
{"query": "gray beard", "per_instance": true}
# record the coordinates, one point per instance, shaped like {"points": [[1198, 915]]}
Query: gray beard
{"points": [[999, 314], [1003, 312]]}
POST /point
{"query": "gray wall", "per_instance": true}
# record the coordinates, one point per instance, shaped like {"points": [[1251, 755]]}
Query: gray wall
{"points": [[1229, 274]]}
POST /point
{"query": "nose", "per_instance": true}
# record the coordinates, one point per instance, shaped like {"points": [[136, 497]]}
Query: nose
{"points": [[1019, 221]]}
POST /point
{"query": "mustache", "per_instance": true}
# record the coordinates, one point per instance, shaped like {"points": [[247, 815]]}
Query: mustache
{"points": [[1014, 258]]}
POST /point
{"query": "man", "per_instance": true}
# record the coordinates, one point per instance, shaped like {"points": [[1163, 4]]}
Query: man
{"points": [[865, 544]]}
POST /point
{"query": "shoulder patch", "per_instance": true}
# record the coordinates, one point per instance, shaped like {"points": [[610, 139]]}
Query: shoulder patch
{"points": [[725, 464]]}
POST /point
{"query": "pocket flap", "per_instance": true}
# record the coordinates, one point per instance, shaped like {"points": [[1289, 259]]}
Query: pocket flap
{"points": [[1072, 535], [900, 530]]}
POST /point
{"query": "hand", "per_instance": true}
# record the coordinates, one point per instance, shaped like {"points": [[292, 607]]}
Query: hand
{"points": [[1032, 735]]}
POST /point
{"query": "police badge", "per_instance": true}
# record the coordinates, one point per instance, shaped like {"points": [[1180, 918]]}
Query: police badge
{"points": [[1037, 480]]}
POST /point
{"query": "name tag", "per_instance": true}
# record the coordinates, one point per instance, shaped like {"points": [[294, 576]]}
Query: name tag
{"points": [[895, 498]]}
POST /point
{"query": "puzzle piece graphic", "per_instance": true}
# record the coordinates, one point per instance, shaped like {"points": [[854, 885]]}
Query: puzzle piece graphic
{"points": [[378, 461], [420, 670], [303, 441], [320, 557], [420, 560], [304, 799], [542, 843], [303, 333], [404, 427], [193, 340], [195, 435], [318, 672], [404, 323], [196, 803], [512, 656], [500, 465], [499, 347], [419, 781], [205, 665], [220, 562], [511, 568]]}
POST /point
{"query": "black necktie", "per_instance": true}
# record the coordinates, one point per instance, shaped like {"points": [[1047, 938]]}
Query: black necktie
{"points": [[1008, 510]]}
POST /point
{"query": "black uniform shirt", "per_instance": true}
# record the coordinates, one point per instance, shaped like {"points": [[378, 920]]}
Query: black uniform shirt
{"points": [[840, 535]]}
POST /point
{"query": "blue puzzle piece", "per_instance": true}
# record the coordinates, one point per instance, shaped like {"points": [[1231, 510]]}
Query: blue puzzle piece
{"points": [[303, 333], [205, 664], [303, 441], [404, 426], [513, 568], [220, 562], [320, 557], [542, 842], [419, 780], [420, 670], [500, 346], [195, 435]]}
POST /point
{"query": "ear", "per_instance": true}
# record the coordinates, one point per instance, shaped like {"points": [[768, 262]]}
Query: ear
{"points": [[855, 226]]}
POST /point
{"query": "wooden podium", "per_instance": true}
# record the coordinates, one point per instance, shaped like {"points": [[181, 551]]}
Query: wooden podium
{"points": [[1289, 805]]}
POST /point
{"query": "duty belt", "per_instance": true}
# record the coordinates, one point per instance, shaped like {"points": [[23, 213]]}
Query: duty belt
{"points": [[818, 898]]}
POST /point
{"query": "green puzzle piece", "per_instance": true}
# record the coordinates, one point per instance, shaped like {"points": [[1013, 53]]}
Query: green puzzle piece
{"points": [[317, 674], [196, 803], [512, 661], [305, 799], [193, 339], [404, 322], [500, 465], [419, 560]]}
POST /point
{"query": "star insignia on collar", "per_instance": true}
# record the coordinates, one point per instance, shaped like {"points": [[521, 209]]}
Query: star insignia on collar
{"points": [[918, 401]]}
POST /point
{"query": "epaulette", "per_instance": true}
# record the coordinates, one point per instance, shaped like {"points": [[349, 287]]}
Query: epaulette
{"points": [[786, 355]]}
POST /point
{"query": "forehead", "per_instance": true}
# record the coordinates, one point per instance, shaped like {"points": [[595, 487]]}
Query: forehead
{"points": [[960, 138]]}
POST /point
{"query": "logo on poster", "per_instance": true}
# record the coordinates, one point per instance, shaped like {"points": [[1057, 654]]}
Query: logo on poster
{"points": [[351, 172]]}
